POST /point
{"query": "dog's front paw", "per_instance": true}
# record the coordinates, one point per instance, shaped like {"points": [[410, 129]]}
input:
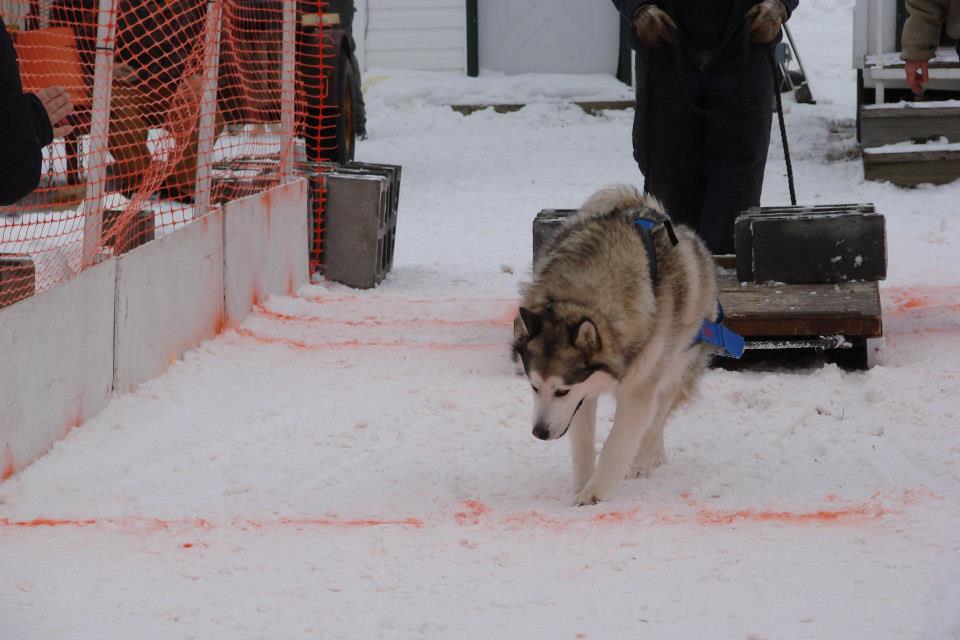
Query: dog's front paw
{"points": [[644, 465], [587, 496]]}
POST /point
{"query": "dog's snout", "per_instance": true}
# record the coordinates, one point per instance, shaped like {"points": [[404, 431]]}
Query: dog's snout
{"points": [[541, 431]]}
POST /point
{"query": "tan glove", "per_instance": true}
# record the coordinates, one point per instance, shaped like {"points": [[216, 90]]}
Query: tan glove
{"points": [[768, 16], [653, 26]]}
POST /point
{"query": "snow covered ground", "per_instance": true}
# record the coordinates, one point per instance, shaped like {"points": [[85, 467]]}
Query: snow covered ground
{"points": [[360, 465]]}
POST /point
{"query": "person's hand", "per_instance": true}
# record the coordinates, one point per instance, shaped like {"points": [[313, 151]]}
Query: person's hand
{"points": [[766, 20], [918, 74], [653, 26], [56, 102]]}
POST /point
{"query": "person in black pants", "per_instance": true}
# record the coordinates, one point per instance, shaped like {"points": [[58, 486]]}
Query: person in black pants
{"points": [[704, 105], [26, 125]]}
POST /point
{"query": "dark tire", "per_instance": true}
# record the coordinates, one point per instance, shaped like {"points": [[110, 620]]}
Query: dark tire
{"points": [[346, 123], [338, 129], [309, 47]]}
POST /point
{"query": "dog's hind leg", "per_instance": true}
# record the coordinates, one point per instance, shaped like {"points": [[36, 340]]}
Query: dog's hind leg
{"points": [[634, 416], [652, 453], [582, 437]]}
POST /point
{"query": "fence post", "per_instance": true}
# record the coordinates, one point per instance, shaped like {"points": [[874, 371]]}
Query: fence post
{"points": [[96, 156], [288, 95], [208, 107]]}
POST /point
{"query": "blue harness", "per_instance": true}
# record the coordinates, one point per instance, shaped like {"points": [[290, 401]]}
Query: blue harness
{"points": [[716, 335]]}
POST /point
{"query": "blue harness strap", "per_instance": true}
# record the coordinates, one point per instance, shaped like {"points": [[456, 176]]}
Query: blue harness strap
{"points": [[645, 227], [727, 342]]}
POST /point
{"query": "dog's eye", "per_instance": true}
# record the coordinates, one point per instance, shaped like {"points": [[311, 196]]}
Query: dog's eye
{"points": [[561, 392], [535, 390]]}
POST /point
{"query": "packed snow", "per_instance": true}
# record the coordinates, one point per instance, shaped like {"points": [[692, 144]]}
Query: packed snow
{"points": [[353, 464]]}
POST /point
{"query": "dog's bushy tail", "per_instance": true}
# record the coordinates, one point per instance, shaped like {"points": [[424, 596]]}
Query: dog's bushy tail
{"points": [[623, 198]]}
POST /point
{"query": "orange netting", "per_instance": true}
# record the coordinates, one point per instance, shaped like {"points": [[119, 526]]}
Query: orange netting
{"points": [[197, 113]]}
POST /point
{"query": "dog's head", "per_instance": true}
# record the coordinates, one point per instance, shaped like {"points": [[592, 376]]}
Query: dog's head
{"points": [[565, 358]]}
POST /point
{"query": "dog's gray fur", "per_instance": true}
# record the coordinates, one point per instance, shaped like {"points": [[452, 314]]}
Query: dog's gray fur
{"points": [[592, 321]]}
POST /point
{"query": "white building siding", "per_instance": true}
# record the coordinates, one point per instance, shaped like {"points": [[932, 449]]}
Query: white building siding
{"points": [[413, 34], [874, 29], [549, 36]]}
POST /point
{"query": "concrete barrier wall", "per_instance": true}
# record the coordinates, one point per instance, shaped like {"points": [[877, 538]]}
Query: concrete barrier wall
{"points": [[124, 321], [169, 299], [56, 363], [265, 244]]}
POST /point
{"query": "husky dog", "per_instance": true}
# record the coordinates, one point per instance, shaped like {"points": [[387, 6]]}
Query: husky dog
{"points": [[603, 315]]}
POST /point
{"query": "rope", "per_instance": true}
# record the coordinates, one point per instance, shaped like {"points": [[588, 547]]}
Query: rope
{"points": [[783, 126]]}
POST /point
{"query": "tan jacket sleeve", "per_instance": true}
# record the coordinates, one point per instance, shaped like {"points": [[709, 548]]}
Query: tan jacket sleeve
{"points": [[921, 32]]}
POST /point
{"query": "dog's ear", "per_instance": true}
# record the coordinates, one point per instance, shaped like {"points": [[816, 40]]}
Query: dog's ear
{"points": [[531, 322], [584, 335]]}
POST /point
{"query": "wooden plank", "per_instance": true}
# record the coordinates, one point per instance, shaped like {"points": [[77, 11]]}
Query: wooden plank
{"points": [[881, 126], [851, 309], [592, 107], [467, 109], [909, 169]]}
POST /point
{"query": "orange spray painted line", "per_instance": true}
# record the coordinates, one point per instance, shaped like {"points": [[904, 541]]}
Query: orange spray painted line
{"points": [[359, 344]]}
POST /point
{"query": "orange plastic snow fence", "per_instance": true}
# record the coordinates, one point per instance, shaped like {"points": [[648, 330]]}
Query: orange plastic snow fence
{"points": [[179, 105]]}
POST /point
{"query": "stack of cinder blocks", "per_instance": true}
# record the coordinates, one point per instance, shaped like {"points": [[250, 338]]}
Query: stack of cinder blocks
{"points": [[360, 223], [809, 245]]}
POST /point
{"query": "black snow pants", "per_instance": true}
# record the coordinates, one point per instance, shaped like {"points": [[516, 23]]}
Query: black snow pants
{"points": [[705, 167]]}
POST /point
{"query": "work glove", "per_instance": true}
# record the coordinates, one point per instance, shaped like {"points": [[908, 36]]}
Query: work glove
{"points": [[653, 26], [918, 74], [767, 17]]}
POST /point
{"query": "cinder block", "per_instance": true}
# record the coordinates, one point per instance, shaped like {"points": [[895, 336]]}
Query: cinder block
{"points": [[18, 278], [810, 245], [141, 230], [316, 173], [545, 226], [390, 171], [743, 236], [359, 233]]}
